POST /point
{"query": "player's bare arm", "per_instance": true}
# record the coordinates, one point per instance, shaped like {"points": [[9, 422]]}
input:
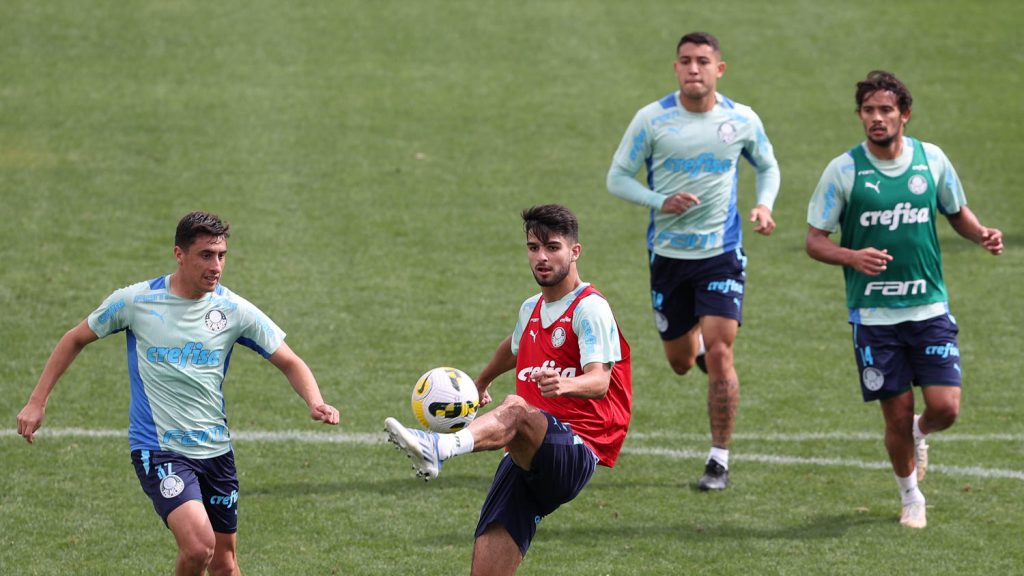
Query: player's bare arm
{"points": [[869, 261], [502, 361], [967, 225], [762, 216], [302, 380], [593, 383], [74, 340], [679, 203]]}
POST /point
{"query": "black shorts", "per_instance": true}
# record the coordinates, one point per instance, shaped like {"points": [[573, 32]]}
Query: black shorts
{"points": [[170, 480], [684, 290], [892, 358], [518, 499]]}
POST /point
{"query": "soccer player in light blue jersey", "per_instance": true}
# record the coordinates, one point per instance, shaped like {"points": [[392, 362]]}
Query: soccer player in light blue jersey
{"points": [[885, 194], [689, 143], [181, 329]]}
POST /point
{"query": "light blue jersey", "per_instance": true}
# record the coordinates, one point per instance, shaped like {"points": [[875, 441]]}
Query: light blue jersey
{"points": [[698, 153], [832, 195], [178, 355], [593, 322]]}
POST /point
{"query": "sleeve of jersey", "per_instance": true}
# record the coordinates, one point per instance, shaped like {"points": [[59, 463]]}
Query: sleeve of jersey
{"points": [[949, 190], [596, 331], [829, 199], [258, 331], [113, 315], [761, 154], [525, 311], [632, 154]]}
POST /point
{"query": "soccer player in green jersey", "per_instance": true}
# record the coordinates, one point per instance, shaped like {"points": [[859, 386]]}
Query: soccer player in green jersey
{"points": [[181, 329], [885, 194], [690, 143]]}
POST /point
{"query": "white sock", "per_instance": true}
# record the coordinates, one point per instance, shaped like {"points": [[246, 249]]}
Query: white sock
{"points": [[451, 445], [909, 492], [720, 454], [700, 344], [918, 435]]}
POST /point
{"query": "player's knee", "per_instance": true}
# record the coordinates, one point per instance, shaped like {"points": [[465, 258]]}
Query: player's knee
{"points": [[197, 554], [224, 566], [943, 416], [682, 365]]}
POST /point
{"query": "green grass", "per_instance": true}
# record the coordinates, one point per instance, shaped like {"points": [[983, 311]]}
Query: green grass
{"points": [[372, 158]]}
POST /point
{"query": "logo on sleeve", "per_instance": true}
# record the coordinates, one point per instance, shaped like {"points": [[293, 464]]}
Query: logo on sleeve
{"points": [[216, 320]]}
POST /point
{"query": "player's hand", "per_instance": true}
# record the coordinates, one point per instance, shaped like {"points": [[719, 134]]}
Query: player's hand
{"points": [[992, 240], [762, 215], [325, 413], [679, 203], [550, 382], [485, 398], [870, 261], [29, 420]]}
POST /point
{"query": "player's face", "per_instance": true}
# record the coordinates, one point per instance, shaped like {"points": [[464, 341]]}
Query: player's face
{"points": [[698, 68], [882, 119], [551, 261], [201, 264]]}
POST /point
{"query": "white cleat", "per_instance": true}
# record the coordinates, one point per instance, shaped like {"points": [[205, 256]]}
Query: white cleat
{"points": [[914, 515], [920, 452], [418, 445], [921, 458]]}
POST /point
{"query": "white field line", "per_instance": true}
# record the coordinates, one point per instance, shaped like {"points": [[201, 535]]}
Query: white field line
{"points": [[678, 454]]}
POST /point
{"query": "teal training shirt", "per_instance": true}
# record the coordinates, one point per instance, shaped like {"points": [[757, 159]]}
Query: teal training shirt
{"points": [[178, 355], [698, 153]]}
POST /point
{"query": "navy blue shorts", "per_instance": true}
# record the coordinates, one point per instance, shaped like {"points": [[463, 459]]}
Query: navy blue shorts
{"points": [[519, 499], [684, 290], [170, 480], [891, 359]]}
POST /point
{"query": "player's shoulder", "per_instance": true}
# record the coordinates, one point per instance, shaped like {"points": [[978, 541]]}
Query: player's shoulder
{"points": [[595, 304], [933, 152], [142, 288], [530, 303], [734, 108]]}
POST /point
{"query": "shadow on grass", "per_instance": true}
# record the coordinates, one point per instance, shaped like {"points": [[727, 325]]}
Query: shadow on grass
{"points": [[826, 526]]}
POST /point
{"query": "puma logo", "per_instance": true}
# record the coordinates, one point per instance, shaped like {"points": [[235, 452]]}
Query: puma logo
{"points": [[873, 185], [534, 334]]}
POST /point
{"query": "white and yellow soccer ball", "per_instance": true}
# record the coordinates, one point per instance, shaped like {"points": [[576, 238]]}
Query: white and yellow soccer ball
{"points": [[445, 400]]}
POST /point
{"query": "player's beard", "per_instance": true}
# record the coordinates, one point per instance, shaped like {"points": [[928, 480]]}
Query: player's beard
{"points": [[884, 142], [556, 276]]}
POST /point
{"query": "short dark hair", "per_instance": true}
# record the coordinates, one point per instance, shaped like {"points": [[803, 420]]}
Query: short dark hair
{"points": [[881, 80], [543, 221], [193, 224], [699, 38]]}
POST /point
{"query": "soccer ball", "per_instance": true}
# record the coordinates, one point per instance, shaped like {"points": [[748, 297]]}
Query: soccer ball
{"points": [[445, 400]]}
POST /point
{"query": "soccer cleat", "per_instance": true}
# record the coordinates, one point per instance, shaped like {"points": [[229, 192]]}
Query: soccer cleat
{"points": [[702, 363], [914, 515], [921, 458], [920, 451], [716, 477], [418, 445]]}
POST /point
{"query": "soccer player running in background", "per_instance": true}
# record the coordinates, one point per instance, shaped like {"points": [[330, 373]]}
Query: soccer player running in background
{"points": [[885, 194], [570, 411], [690, 143], [180, 330]]}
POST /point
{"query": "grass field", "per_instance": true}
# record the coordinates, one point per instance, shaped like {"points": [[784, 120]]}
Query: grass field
{"points": [[372, 158]]}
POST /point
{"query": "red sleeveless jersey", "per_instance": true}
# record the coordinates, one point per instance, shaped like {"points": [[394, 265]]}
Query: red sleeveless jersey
{"points": [[601, 423]]}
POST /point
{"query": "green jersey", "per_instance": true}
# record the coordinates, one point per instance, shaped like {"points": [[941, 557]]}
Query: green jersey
{"points": [[890, 204], [896, 214], [178, 355]]}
